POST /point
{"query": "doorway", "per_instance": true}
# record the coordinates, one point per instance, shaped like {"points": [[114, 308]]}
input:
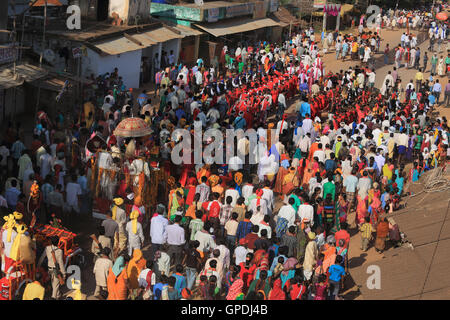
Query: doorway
{"points": [[102, 10]]}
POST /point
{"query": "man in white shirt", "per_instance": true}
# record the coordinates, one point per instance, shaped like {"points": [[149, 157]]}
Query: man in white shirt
{"points": [[206, 240], [46, 162], [371, 78], [106, 106], [158, 232], [4, 153], [235, 164], [305, 143], [240, 253], [176, 240], [306, 213], [264, 225], [171, 58], [364, 185], [198, 78], [260, 202], [288, 212], [307, 125], [269, 197], [319, 153], [73, 193]]}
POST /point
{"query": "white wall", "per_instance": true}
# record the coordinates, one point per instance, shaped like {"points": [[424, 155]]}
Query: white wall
{"points": [[128, 9], [128, 64], [174, 45], [120, 7]]}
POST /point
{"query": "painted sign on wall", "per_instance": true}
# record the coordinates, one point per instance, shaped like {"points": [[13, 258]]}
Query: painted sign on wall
{"points": [[240, 10], [213, 14]]}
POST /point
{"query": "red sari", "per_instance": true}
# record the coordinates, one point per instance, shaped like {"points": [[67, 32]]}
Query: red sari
{"points": [[277, 292]]}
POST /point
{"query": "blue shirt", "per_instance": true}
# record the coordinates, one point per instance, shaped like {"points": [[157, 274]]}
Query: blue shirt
{"points": [[399, 182], [157, 290], [16, 149], [305, 108], [330, 165], [180, 114], [82, 181], [142, 99], [336, 272], [181, 282], [437, 87], [12, 196], [46, 189], [303, 87], [415, 175], [239, 123], [244, 228], [382, 198], [431, 99], [275, 262]]}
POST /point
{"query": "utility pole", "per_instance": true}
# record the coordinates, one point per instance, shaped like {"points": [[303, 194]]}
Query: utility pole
{"points": [[42, 55], [13, 4], [43, 35], [324, 26]]}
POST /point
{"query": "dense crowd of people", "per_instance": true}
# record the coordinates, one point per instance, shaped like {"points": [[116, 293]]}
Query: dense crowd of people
{"points": [[274, 230]]}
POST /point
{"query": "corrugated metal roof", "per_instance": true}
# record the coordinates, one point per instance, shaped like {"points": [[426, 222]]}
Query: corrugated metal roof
{"points": [[25, 72], [163, 35], [118, 46], [222, 28], [149, 38], [144, 39]]}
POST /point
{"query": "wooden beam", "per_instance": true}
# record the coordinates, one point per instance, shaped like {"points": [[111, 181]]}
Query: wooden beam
{"points": [[126, 35], [6, 47], [95, 49]]}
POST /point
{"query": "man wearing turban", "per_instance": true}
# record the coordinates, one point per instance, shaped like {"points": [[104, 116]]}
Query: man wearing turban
{"points": [[8, 237], [120, 216], [260, 202], [135, 233]]}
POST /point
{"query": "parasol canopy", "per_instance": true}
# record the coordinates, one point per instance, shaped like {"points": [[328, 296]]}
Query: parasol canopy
{"points": [[41, 3], [132, 127], [441, 16], [95, 143]]}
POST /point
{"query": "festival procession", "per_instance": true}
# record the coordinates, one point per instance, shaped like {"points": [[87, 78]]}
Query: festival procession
{"points": [[137, 193]]}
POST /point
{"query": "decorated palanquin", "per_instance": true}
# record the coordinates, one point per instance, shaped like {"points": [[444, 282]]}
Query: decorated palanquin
{"points": [[131, 178]]}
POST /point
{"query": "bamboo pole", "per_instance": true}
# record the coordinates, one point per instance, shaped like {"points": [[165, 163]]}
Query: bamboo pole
{"points": [[41, 57]]}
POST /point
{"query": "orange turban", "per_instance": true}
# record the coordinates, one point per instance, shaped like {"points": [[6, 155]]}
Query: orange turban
{"points": [[213, 180], [238, 178]]}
